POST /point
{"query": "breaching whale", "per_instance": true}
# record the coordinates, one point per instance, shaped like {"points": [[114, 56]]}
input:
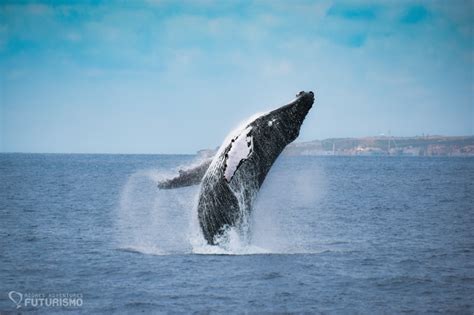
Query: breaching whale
{"points": [[231, 180]]}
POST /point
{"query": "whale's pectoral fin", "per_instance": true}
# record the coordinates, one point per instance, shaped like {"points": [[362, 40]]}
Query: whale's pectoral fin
{"points": [[186, 177]]}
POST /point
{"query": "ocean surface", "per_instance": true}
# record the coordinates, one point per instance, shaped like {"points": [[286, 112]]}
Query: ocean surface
{"points": [[328, 235]]}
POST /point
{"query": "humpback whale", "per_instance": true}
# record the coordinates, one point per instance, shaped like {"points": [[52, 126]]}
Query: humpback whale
{"points": [[231, 180]]}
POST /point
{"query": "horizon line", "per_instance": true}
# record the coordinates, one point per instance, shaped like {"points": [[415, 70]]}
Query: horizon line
{"points": [[156, 153]]}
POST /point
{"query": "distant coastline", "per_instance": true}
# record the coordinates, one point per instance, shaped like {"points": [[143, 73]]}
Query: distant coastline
{"points": [[386, 145], [381, 145]]}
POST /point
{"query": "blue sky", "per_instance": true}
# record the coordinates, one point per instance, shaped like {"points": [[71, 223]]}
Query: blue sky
{"points": [[176, 77]]}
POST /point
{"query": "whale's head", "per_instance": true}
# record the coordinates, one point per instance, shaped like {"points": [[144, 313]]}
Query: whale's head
{"points": [[282, 125], [295, 113]]}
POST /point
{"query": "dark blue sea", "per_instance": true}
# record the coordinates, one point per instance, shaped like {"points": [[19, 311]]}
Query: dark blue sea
{"points": [[328, 235]]}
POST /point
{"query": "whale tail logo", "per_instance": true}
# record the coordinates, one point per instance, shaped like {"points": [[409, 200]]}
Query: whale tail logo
{"points": [[16, 298]]}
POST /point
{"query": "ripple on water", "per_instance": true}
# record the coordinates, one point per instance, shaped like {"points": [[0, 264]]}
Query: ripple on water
{"points": [[271, 275]]}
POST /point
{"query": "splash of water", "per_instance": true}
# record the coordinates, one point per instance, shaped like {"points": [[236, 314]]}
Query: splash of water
{"points": [[278, 220], [163, 222], [150, 220]]}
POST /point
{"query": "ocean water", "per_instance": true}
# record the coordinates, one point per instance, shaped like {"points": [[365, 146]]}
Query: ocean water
{"points": [[328, 235]]}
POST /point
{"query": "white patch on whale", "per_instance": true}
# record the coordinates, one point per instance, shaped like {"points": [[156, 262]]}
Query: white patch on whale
{"points": [[240, 150]]}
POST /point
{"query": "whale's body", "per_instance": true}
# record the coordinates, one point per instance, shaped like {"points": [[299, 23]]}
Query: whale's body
{"points": [[236, 173], [230, 181]]}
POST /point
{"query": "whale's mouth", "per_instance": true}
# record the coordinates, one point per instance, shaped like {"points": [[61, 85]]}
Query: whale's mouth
{"points": [[294, 114], [303, 104]]}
